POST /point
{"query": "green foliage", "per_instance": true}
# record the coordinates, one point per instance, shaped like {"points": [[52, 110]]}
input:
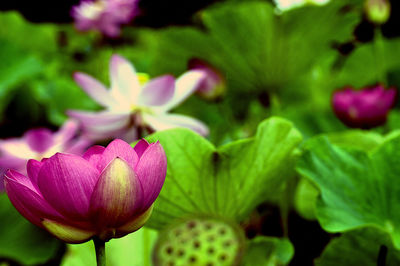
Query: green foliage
{"points": [[15, 69], [229, 181], [357, 188], [360, 247], [268, 251], [255, 48], [368, 63], [21, 241]]}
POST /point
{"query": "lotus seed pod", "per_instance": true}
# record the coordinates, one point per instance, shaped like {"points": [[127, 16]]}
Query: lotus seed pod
{"points": [[200, 241]]}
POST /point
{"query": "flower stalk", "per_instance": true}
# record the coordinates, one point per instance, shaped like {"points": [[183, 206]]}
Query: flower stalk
{"points": [[100, 247]]}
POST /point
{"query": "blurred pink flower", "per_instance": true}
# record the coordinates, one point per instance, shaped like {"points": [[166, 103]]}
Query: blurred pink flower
{"points": [[366, 108], [130, 105], [37, 144], [213, 85], [105, 16], [107, 192]]}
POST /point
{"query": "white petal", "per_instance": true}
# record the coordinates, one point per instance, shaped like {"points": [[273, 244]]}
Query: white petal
{"points": [[185, 85], [94, 89], [125, 85], [168, 121]]}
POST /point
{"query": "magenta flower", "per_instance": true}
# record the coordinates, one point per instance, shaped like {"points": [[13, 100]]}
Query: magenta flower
{"points": [[213, 85], [105, 16], [365, 109], [107, 192], [37, 144], [130, 106]]}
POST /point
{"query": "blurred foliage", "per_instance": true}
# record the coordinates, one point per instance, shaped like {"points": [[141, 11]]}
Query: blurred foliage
{"points": [[268, 251], [21, 241]]}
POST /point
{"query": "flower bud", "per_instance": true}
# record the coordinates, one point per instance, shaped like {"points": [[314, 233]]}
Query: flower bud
{"points": [[213, 85], [107, 192], [364, 109], [378, 11]]}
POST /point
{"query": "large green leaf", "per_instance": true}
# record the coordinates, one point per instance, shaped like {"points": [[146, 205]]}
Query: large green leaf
{"points": [[15, 68], [367, 64], [256, 48], [268, 251], [357, 189], [134, 249], [229, 181], [22, 241], [360, 247]]}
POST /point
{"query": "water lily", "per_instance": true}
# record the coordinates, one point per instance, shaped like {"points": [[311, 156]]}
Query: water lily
{"points": [[130, 106], [40, 143], [366, 108], [213, 85], [105, 193], [105, 16]]}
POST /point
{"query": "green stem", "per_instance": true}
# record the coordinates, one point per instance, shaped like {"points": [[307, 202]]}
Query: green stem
{"points": [[146, 245], [100, 247]]}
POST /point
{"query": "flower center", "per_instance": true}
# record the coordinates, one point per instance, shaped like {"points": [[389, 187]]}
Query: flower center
{"points": [[92, 10]]}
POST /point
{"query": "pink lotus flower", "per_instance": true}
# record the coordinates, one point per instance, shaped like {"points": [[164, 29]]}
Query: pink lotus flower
{"points": [[39, 143], [213, 85], [365, 109], [130, 106], [105, 16], [107, 192]]}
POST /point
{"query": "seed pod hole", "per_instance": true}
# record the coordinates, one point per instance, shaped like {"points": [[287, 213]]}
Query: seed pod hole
{"points": [[192, 259], [196, 244], [223, 257], [191, 224], [169, 250]]}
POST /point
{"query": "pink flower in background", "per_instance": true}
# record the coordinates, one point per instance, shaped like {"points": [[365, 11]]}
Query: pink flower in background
{"points": [[40, 143], [213, 85], [105, 16], [129, 105], [107, 192], [366, 108]]}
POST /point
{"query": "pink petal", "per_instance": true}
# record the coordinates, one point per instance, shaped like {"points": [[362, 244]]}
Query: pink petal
{"points": [[124, 81], [185, 86], [66, 181], [93, 155], [33, 168], [101, 125], [117, 195], [141, 146], [11, 162], [27, 200], [78, 147], [121, 149], [137, 222], [39, 139], [168, 121], [66, 132], [151, 170], [94, 89], [157, 91]]}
